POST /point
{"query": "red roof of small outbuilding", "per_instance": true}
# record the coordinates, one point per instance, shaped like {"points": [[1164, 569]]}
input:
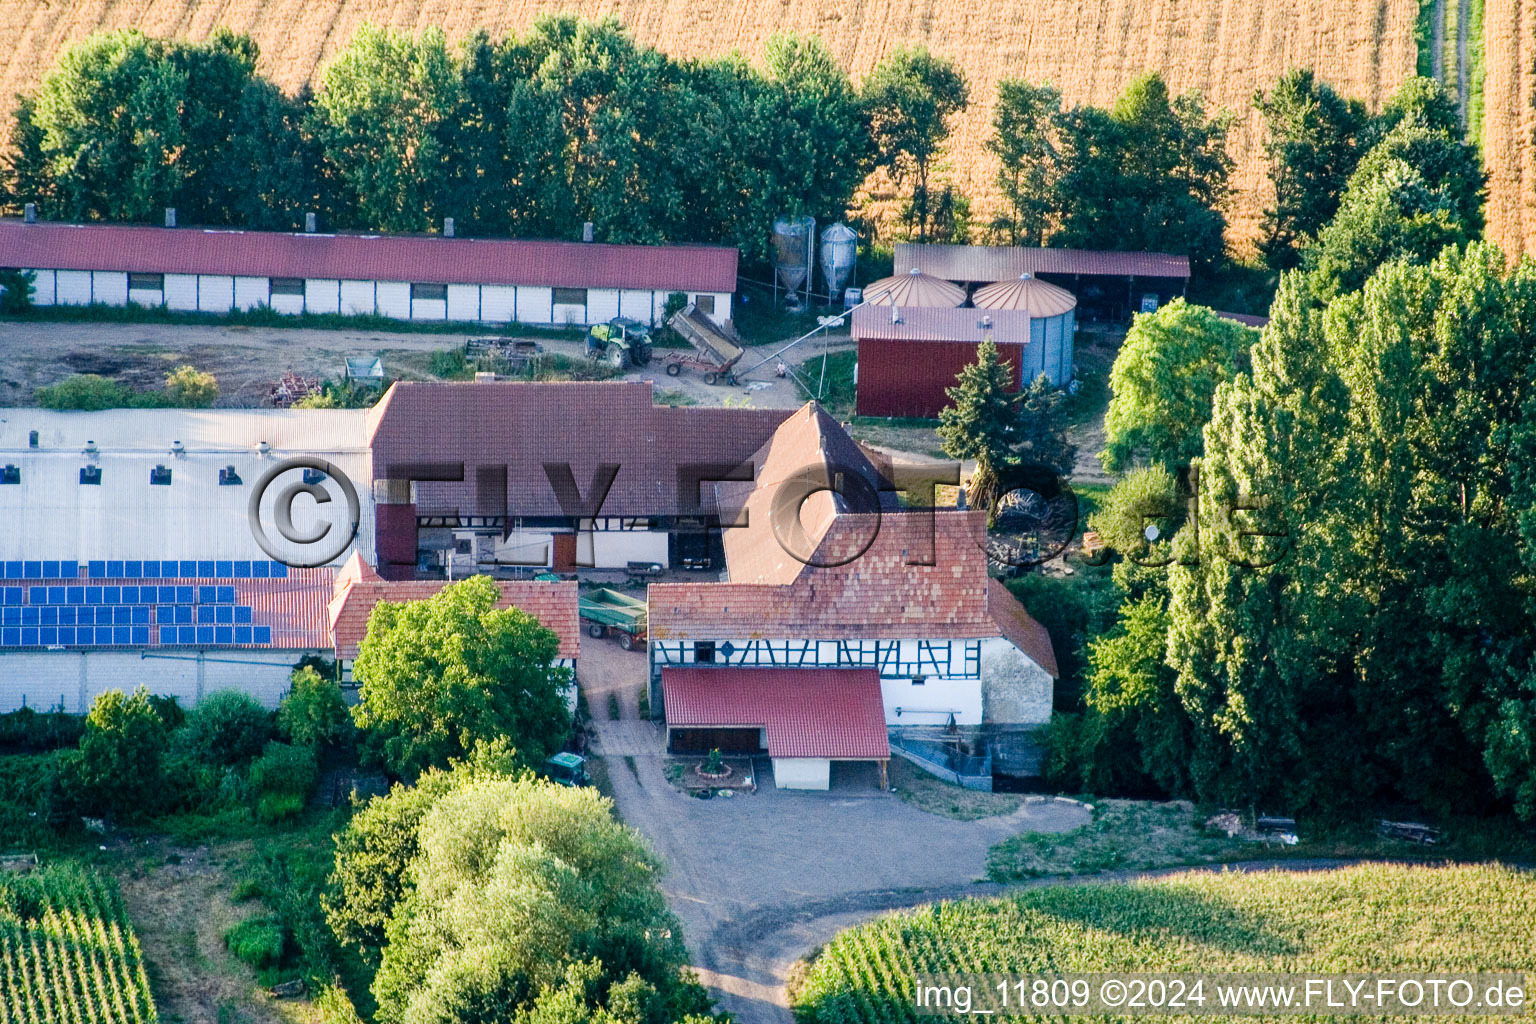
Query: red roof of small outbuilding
{"points": [[822, 712]]}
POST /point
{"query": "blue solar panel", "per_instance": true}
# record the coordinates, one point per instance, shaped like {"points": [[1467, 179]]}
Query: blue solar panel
{"points": [[226, 595], [263, 635], [167, 595], [10, 637], [85, 616], [111, 595], [48, 636], [69, 570], [114, 570], [168, 635], [261, 570], [243, 613], [186, 634], [122, 635], [133, 570], [185, 595], [223, 634], [29, 637], [140, 615], [279, 571], [224, 613], [13, 595], [204, 634], [50, 616], [165, 614], [183, 614], [205, 568], [55, 595], [31, 616], [151, 571], [122, 616], [207, 594], [37, 595], [225, 569], [11, 616], [32, 570], [67, 615], [67, 635], [242, 570], [13, 570], [187, 569], [205, 613], [130, 595], [50, 570], [97, 570], [76, 595], [141, 634], [242, 634]]}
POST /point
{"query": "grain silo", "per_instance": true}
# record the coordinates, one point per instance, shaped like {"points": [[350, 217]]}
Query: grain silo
{"points": [[914, 289], [1052, 319]]}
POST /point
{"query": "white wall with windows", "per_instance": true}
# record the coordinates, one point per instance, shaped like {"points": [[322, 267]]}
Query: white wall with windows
{"points": [[402, 300]]}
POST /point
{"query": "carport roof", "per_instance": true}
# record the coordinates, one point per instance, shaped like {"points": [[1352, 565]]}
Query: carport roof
{"points": [[822, 713]]}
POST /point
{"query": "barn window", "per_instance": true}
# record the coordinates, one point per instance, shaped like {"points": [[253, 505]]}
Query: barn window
{"points": [[228, 477], [146, 282], [160, 476], [570, 296], [705, 304], [287, 286], [10, 475], [704, 652], [919, 680], [90, 475], [429, 291]]}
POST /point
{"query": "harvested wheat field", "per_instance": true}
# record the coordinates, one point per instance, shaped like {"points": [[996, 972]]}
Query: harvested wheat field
{"points": [[1226, 48], [1509, 91]]}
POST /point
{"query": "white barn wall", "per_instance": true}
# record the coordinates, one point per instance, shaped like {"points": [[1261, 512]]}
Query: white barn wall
{"points": [[636, 305], [498, 303], [932, 702], [463, 302], [802, 773], [616, 548], [251, 292], [74, 287], [393, 298], [292, 305], [535, 305], [148, 297], [42, 287], [564, 314], [602, 305], [429, 309], [181, 292], [109, 287], [322, 295], [215, 293], [42, 679], [357, 298], [1016, 690]]}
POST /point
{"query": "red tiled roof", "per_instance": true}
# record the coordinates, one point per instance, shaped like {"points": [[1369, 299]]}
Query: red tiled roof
{"points": [[1246, 319], [1008, 327], [419, 258], [584, 425], [831, 713], [295, 606], [1019, 628], [553, 604], [1005, 263]]}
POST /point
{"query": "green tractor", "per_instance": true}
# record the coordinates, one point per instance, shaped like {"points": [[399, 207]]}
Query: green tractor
{"points": [[621, 341]]}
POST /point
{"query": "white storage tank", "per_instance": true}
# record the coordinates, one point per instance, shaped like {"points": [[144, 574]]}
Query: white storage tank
{"points": [[1052, 319]]}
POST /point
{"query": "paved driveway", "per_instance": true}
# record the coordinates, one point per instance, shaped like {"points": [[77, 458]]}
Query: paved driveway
{"points": [[745, 873]]}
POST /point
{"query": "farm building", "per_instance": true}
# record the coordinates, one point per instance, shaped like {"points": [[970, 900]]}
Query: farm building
{"points": [[908, 356], [358, 588], [415, 277], [560, 475], [129, 557], [1107, 285], [848, 613]]}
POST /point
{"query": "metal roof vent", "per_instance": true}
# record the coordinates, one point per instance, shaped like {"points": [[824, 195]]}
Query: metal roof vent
{"points": [[265, 447], [177, 448], [170, 216], [447, 227], [311, 223], [586, 232], [895, 313], [29, 213], [91, 449]]}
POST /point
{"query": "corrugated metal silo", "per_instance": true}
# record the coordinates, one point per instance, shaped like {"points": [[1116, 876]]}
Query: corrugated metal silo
{"points": [[1053, 315]]}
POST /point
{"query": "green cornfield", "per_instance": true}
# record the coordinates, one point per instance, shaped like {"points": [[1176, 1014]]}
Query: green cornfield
{"points": [[1368, 918], [67, 952]]}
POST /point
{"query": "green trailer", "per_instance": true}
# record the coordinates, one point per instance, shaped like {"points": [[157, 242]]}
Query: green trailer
{"points": [[608, 610]]}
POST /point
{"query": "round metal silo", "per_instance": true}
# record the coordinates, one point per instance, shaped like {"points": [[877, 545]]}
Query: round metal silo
{"points": [[794, 244], [839, 250], [1052, 319]]}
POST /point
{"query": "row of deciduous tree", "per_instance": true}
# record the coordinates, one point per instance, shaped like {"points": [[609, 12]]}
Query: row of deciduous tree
{"points": [[1382, 425]]}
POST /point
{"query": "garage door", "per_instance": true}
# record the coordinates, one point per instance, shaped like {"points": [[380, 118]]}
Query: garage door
{"points": [[727, 741]]}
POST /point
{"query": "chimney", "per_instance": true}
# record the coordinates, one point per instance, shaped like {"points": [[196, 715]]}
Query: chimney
{"points": [[170, 216], [485, 377], [586, 232], [310, 220], [447, 227], [30, 213]]}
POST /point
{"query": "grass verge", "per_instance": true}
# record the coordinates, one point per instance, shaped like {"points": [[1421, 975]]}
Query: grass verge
{"points": [[934, 795]]}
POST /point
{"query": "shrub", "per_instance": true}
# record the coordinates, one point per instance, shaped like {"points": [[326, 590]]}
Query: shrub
{"points": [[314, 713], [117, 768], [26, 731], [257, 941], [227, 727], [187, 387], [275, 807], [16, 291], [283, 768], [88, 392], [448, 364]]}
